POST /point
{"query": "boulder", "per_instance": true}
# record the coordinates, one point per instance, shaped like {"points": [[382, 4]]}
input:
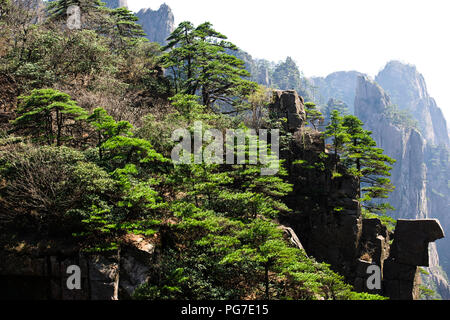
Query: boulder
{"points": [[104, 277], [412, 238], [288, 104]]}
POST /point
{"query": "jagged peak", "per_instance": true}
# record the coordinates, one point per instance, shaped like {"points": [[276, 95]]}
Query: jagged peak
{"points": [[370, 98], [164, 8], [367, 88], [350, 73], [405, 76]]}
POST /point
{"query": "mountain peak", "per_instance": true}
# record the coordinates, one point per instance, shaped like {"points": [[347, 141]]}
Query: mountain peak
{"points": [[157, 24], [408, 90]]}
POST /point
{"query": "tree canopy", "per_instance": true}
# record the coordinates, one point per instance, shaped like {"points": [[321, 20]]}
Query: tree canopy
{"points": [[198, 63]]}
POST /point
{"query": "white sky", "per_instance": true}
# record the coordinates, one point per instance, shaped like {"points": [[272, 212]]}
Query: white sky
{"points": [[325, 36]]}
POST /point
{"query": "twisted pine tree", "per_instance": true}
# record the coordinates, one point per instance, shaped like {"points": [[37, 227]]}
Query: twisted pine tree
{"points": [[47, 115], [197, 63], [367, 162]]}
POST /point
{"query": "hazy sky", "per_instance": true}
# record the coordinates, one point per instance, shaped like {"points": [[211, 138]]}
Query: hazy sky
{"points": [[324, 36]]}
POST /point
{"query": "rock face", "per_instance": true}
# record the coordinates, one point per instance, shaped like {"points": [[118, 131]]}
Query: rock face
{"points": [[409, 250], [328, 219], [413, 181], [406, 145], [288, 104], [407, 89], [157, 24], [40, 272], [338, 85]]}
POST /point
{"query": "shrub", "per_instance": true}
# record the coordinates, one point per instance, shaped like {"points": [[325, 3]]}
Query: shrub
{"points": [[49, 188]]}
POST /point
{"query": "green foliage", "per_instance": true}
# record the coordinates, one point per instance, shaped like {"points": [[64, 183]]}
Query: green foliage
{"points": [[337, 132], [48, 116], [126, 31], [58, 9], [287, 76], [167, 289], [198, 64], [213, 223], [313, 116], [400, 117], [425, 293], [357, 151], [47, 57], [366, 161], [389, 222], [116, 144], [35, 197]]}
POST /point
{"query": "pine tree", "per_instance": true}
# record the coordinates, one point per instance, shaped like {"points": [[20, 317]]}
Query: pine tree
{"points": [[198, 64], [337, 132], [58, 9], [313, 116], [367, 162], [126, 30], [47, 115]]}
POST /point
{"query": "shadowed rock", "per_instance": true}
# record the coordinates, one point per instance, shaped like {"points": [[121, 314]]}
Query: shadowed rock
{"points": [[412, 238], [409, 250]]}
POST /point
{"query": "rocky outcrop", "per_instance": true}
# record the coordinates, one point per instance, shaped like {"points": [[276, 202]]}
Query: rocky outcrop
{"points": [[412, 238], [409, 250], [327, 216], [288, 104], [157, 24], [40, 271], [411, 197]]}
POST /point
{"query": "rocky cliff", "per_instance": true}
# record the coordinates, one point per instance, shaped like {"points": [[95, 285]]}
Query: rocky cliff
{"points": [[338, 85], [407, 145], [404, 144], [157, 24], [39, 270], [327, 216], [407, 89], [36, 268]]}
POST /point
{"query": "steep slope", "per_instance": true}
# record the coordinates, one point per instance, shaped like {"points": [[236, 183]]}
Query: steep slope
{"points": [[408, 90], [410, 174], [157, 24], [338, 85]]}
